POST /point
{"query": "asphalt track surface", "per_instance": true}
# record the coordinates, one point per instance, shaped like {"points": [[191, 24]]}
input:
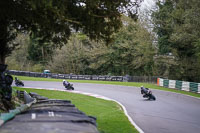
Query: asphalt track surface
{"points": [[170, 113]]}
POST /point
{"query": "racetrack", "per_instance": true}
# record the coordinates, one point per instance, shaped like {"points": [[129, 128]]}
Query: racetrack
{"points": [[170, 113]]}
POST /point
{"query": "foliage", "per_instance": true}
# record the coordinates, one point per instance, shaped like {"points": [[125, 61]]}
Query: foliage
{"points": [[18, 60], [73, 57], [165, 65], [179, 29], [39, 50], [162, 26], [54, 20], [14, 103], [131, 52]]}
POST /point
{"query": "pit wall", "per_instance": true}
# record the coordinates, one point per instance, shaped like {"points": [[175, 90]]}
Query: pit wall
{"points": [[180, 85]]}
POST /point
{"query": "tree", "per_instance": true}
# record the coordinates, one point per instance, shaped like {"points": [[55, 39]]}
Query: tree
{"points": [[18, 59], [39, 50], [131, 52], [183, 20], [54, 20], [185, 36], [163, 26], [72, 58]]}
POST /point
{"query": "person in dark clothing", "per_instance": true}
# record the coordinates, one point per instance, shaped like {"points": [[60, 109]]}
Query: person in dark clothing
{"points": [[65, 83], [147, 93], [16, 80], [144, 91]]}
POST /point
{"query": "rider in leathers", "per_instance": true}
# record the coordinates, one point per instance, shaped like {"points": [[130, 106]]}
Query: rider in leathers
{"points": [[144, 91], [65, 83]]}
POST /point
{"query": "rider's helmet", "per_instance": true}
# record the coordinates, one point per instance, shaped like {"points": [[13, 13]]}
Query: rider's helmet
{"points": [[63, 80], [142, 87]]}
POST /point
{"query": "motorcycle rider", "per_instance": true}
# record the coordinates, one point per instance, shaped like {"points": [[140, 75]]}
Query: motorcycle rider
{"points": [[144, 91], [16, 80], [147, 93], [65, 83]]}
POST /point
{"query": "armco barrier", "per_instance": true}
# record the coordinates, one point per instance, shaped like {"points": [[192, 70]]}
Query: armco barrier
{"points": [[181, 85], [85, 77]]}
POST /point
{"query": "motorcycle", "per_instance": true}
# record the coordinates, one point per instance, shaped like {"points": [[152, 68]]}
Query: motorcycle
{"points": [[148, 94], [69, 86], [19, 83]]}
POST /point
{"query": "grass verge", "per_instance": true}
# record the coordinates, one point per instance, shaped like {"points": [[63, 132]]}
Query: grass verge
{"points": [[110, 116], [136, 84]]}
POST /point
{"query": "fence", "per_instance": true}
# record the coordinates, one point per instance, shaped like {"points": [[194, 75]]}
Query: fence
{"points": [[181, 85], [85, 77]]}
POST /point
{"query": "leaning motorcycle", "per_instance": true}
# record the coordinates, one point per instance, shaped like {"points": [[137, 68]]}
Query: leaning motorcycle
{"points": [[19, 83], [69, 87], [148, 95]]}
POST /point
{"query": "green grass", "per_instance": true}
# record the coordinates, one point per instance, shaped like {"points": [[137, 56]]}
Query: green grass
{"points": [[110, 117], [136, 84]]}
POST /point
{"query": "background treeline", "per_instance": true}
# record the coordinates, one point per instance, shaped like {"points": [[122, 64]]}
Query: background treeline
{"points": [[177, 26], [170, 50], [131, 52]]}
